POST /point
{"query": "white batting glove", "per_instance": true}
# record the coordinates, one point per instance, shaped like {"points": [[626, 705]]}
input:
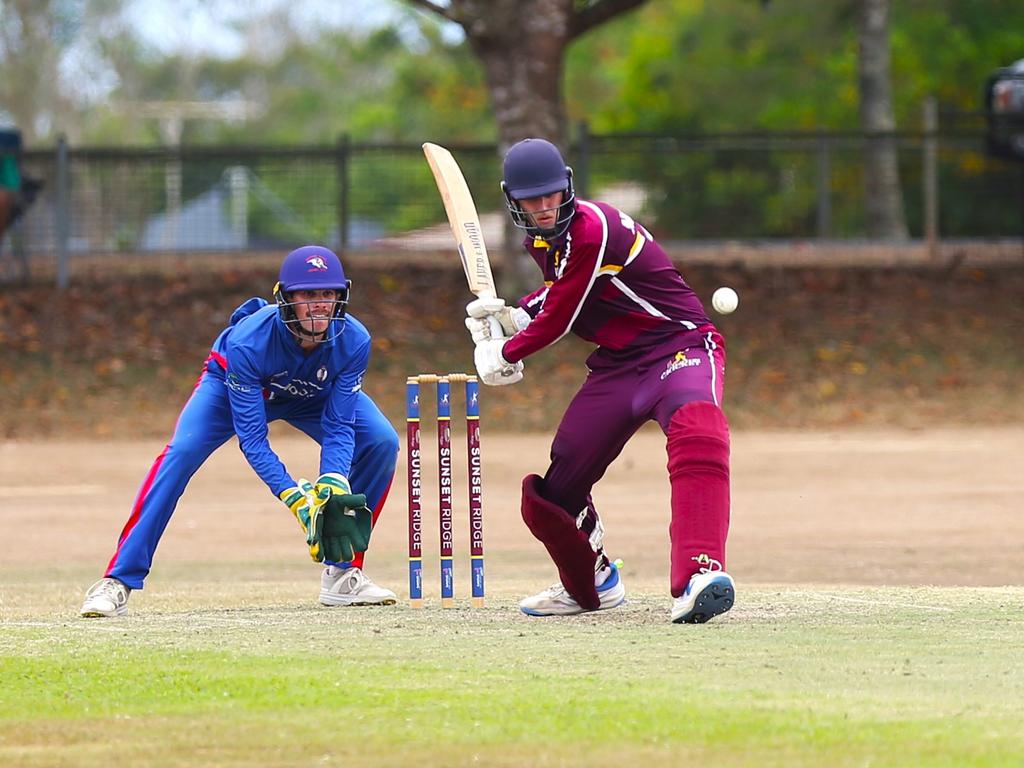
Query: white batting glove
{"points": [[482, 322], [484, 306], [511, 319], [493, 369], [483, 329]]}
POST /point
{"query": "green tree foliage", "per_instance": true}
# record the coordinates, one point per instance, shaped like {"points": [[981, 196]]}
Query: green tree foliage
{"points": [[388, 84], [438, 91], [687, 65], [50, 70], [681, 65], [670, 67], [698, 67]]}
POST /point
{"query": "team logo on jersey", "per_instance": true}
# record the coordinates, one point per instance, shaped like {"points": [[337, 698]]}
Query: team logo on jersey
{"points": [[677, 362], [316, 264], [296, 388], [234, 383], [321, 375]]}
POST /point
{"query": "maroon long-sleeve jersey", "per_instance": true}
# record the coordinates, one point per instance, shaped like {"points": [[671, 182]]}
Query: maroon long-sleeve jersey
{"points": [[607, 281]]}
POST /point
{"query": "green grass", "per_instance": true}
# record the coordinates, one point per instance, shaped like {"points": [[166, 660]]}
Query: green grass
{"points": [[792, 676]]}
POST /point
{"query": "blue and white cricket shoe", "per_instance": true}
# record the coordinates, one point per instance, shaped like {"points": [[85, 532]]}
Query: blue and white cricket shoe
{"points": [[708, 594], [555, 601]]}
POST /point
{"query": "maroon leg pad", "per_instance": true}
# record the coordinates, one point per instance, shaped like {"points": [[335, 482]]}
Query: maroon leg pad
{"points": [[568, 546], [698, 465]]}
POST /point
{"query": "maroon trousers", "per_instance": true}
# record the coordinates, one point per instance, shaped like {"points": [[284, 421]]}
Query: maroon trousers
{"points": [[617, 398]]}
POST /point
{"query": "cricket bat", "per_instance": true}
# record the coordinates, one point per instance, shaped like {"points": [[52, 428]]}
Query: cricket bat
{"points": [[463, 218]]}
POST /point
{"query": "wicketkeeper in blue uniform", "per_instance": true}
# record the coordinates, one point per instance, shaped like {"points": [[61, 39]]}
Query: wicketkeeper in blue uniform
{"points": [[302, 360]]}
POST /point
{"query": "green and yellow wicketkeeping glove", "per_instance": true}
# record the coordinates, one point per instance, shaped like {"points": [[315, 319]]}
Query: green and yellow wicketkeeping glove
{"points": [[308, 509], [346, 518], [331, 484]]}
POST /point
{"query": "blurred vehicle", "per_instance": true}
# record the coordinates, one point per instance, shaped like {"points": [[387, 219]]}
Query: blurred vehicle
{"points": [[1004, 110]]}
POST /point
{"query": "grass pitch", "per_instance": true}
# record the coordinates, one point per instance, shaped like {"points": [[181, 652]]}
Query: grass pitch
{"points": [[837, 676]]}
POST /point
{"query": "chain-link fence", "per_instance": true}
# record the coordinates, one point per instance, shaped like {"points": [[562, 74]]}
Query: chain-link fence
{"points": [[139, 204], [803, 186]]}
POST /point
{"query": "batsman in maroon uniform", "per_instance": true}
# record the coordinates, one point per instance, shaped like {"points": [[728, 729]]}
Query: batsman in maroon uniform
{"points": [[658, 357]]}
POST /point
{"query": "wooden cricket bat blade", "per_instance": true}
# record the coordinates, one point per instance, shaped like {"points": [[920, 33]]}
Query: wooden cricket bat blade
{"points": [[463, 219]]}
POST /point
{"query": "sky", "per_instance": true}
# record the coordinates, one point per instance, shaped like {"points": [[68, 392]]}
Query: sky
{"points": [[205, 25], [205, 28]]}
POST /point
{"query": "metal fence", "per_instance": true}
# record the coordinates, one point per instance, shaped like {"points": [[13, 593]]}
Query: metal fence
{"points": [[140, 203]]}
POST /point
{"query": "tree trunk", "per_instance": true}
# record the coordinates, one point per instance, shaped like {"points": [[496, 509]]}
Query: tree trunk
{"points": [[883, 198], [521, 47], [522, 54]]}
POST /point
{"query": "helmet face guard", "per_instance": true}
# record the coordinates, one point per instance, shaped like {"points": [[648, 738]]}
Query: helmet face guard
{"points": [[534, 168], [286, 309], [312, 268]]}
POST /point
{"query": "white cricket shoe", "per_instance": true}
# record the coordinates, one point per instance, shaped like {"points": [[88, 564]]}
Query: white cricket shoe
{"points": [[708, 594], [107, 597], [350, 586], [555, 601]]}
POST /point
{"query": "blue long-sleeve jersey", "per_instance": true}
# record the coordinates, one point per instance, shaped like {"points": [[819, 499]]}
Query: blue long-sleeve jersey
{"points": [[267, 373]]}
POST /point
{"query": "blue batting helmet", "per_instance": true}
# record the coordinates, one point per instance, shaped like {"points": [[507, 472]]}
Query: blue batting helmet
{"points": [[311, 268], [535, 168]]}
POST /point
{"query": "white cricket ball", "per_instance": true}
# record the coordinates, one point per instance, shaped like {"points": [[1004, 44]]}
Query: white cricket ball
{"points": [[725, 300]]}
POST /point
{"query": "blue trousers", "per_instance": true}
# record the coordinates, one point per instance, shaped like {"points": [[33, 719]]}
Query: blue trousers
{"points": [[203, 426]]}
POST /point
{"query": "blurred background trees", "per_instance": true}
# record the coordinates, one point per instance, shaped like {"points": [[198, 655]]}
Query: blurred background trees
{"points": [[320, 75], [220, 76], [521, 46], [82, 68]]}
